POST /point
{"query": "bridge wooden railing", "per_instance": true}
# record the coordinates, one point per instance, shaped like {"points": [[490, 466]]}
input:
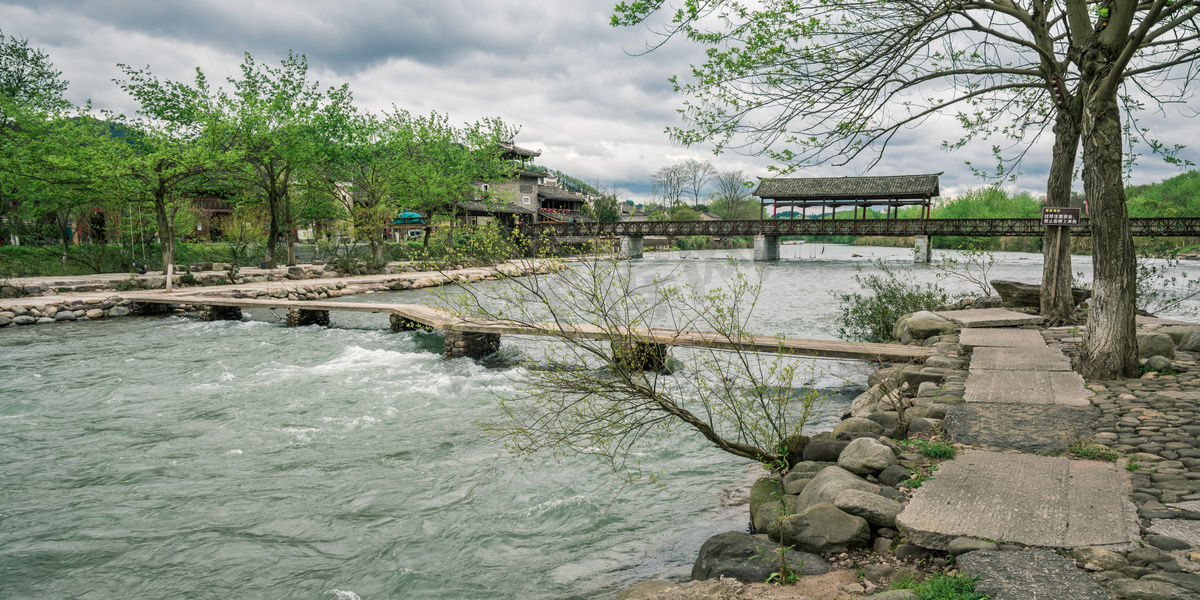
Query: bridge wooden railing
{"points": [[1164, 227]]}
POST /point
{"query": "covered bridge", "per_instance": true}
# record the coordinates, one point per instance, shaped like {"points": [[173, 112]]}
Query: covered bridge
{"points": [[891, 192]]}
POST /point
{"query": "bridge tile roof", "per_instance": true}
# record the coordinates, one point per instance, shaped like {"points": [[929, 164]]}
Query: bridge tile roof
{"points": [[849, 188]]}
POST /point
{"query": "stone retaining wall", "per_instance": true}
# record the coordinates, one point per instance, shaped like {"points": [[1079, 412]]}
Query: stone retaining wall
{"points": [[218, 278], [41, 313], [76, 310]]}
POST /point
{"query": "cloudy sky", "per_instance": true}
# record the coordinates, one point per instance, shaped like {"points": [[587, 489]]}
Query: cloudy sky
{"points": [[554, 67]]}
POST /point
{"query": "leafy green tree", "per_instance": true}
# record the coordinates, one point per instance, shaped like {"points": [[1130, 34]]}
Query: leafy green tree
{"points": [[282, 123], [31, 90], [607, 208], [28, 79], [436, 164], [175, 137]]}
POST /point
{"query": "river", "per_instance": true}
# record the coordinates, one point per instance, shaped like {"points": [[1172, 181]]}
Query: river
{"points": [[170, 458]]}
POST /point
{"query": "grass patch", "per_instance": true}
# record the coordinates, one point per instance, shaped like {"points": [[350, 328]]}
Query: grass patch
{"points": [[943, 587], [1087, 450], [937, 450]]}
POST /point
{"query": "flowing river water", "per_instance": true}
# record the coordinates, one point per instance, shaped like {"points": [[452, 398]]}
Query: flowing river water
{"points": [[172, 458]]}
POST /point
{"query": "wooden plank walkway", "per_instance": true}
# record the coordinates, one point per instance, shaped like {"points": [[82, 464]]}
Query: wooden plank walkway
{"points": [[440, 319]]}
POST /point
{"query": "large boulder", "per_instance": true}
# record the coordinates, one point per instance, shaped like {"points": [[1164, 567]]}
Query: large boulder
{"points": [[823, 450], [1155, 344], [765, 491], [887, 377], [858, 425], [1177, 331], [1014, 294], [877, 510], [824, 528], [866, 402], [921, 325], [866, 456], [749, 558], [830, 482], [1190, 342]]}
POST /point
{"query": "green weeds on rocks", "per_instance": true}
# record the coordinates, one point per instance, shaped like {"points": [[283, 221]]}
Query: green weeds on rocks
{"points": [[942, 587]]}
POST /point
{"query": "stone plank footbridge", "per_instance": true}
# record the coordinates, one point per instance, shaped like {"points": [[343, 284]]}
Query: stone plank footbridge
{"points": [[477, 338]]}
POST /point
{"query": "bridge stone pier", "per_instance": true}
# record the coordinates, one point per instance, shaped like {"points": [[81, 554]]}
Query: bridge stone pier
{"points": [[460, 344], [766, 247], [400, 323], [220, 313], [299, 317], [639, 356], [631, 246], [922, 249]]}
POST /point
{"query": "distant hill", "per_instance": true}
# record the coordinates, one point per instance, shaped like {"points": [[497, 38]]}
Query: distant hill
{"points": [[1178, 196]]}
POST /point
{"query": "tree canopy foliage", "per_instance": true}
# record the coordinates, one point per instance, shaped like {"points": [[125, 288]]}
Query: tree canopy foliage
{"points": [[272, 138]]}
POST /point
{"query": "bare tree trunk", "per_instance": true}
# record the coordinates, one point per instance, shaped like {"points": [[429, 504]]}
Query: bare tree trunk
{"points": [[1058, 306], [1110, 346]]}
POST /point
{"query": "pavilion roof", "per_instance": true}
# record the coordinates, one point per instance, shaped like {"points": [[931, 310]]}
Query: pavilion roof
{"points": [[892, 187]]}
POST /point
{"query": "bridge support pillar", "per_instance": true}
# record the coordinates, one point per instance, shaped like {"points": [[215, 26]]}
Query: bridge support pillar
{"points": [[631, 246], [400, 323], [766, 247], [461, 344], [151, 308], [299, 317], [922, 250], [639, 356], [209, 312]]}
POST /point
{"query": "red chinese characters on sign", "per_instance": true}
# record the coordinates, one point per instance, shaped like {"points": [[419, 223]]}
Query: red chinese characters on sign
{"points": [[1060, 215]]}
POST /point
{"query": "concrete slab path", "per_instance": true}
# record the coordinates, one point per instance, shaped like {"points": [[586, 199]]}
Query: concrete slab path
{"points": [[969, 339], [990, 317], [1027, 387], [1024, 499], [986, 358], [1024, 427]]}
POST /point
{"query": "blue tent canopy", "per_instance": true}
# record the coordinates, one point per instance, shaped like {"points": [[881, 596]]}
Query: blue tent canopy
{"points": [[408, 217]]}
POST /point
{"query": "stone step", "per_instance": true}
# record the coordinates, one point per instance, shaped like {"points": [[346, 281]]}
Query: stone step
{"points": [[970, 339], [1024, 427], [1024, 499], [1027, 387], [989, 317], [1019, 359]]}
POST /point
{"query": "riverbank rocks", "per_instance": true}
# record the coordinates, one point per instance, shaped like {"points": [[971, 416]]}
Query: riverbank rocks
{"points": [[921, 325], [823, 527], [866, 456], [876, 397], [877, 510], [857, 425], [828, 483], [749, 558], [824, 450], [1155, 344], [1015, 294]]}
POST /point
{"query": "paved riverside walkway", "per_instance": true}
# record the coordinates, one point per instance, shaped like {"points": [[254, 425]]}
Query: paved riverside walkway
{"points": [[1021, 395]]}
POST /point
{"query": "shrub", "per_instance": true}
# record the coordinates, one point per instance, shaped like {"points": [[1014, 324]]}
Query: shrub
{"points": [[869, 317]]}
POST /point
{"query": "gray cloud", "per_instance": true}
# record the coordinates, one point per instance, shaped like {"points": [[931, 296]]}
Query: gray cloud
{"points": [[555, 68]]}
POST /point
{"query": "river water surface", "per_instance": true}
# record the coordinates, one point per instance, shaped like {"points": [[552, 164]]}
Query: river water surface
{"points": [[171, 458]]}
